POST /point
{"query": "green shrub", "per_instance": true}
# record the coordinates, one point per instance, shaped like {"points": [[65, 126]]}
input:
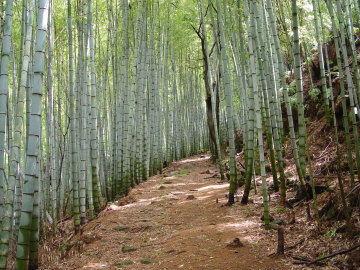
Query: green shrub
{"points": [[292, 88], [314, 94]]}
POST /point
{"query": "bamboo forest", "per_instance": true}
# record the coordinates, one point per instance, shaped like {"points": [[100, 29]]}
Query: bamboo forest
{"points": [[179, 134]]}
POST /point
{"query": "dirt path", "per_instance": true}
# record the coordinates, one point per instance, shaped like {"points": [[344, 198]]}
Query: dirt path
{"points": [[170, 230]]}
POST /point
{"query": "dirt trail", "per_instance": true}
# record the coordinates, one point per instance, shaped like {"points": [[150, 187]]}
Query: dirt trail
{"points": [[171, 230]]}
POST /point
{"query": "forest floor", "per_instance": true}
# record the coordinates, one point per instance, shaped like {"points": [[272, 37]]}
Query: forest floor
{"points": [[178, 220], [175, 220]]}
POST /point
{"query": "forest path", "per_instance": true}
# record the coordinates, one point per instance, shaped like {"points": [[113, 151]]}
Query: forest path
{"points": [[172, 231]]}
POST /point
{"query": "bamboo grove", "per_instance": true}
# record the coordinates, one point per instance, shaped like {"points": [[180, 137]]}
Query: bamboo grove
{"points": [[97, 96]]}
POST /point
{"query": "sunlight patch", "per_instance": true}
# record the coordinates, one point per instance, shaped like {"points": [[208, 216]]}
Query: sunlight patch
{"points": [[203, 197], [192, 160], [214, 187], [141, 202], [95, 265], [253, 239], [177, 184], [239, 225]]}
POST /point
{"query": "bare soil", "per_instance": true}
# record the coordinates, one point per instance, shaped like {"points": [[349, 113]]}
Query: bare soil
{"points": [[170, 229]]}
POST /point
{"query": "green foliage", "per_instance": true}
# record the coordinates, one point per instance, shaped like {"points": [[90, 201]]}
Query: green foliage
{"points": [[314, 49], [335, 74], [63, 247], [293, 100], [281, 210], [180, 15], [331, 233], [323, 255], [292, 93], [331, 213], [292, 88], [314, 94]]}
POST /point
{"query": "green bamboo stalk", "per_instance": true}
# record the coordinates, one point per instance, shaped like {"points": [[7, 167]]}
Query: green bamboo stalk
{"points": [[299, 88], [321, 63], [73, 125], [14, 157], [4, 92], [228, 87], [32, 153]]}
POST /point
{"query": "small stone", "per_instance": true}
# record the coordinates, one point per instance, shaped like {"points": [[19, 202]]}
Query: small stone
{"points": [[162, 187], [190, 197], [279, 221], [236, 243]]}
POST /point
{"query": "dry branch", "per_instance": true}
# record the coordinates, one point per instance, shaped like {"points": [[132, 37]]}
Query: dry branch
{"points": [[308, 262]]}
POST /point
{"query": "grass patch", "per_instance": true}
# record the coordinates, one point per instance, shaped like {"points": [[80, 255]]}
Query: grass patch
{"points": [[331, 233], [248, 212], [121, 228], [183, 172], [128, 249], [147, 261], [281, 210]]}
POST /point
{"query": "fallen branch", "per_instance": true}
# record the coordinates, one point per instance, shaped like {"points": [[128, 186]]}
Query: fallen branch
{"points": [[296, 244], [353, 190], [308, 262], [334, 254]]}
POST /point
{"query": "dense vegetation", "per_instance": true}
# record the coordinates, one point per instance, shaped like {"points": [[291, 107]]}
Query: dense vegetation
{"points": [[96, 96]]}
